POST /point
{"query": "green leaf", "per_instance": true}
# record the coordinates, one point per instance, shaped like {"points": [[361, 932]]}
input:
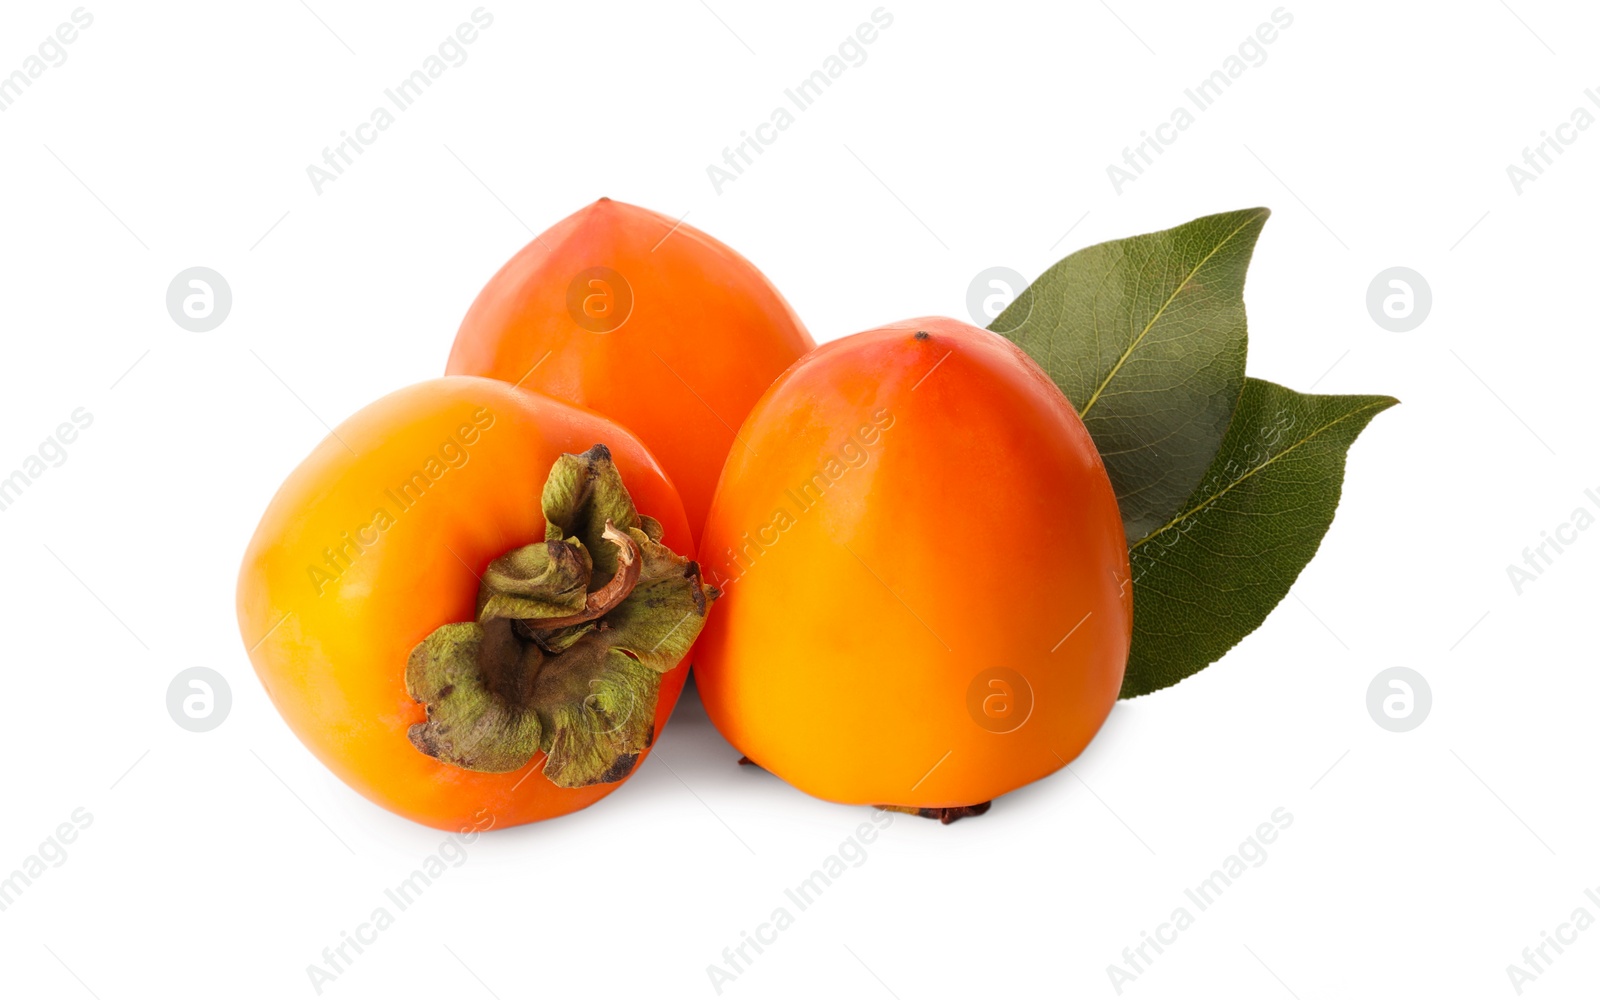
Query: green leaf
{"points": [[1209, 576], [1146, 337]]}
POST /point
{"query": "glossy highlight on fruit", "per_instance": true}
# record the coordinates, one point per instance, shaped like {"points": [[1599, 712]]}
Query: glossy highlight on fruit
{"points": [[644, 319], [924, 574], [427, 516]]}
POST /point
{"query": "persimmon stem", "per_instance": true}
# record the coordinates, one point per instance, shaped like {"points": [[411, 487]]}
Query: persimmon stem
{"points": [[945, 815]]}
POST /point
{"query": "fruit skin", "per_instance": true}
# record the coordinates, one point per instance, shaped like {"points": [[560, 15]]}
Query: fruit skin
{"points": [[706, 334], [965, 522], [334, 664]]}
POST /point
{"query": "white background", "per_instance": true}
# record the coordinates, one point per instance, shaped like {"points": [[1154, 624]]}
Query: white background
{"points": [[221, 864]]}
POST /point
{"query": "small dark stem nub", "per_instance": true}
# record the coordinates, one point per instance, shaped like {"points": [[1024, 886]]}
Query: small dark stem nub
{"points": [[945, 814]]}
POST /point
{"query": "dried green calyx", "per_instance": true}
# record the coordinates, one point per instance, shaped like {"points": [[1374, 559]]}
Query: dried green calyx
{"points": [[572, 636]]}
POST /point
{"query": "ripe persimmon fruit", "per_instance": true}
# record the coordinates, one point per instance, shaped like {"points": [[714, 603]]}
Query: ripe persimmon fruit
{"points": [[466, 603], [644, 319], [924, 573]]}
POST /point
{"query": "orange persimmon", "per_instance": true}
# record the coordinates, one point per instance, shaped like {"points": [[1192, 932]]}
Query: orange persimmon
{"points": [[644, 319], [455, 590], [925, 574]]}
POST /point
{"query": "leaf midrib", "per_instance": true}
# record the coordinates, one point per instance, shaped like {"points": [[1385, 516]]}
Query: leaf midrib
{"points": [[1208, 501], [1134, 345]]}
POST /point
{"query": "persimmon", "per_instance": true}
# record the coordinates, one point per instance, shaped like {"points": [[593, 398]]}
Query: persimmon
{"points": [[465, 602], [644, 319], [924, 573]]}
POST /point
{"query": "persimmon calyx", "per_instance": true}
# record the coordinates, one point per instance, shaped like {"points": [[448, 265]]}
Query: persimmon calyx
{"points": [[571, 639]]}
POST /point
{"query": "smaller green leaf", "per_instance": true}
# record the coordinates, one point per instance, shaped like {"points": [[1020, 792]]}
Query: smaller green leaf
{"points": [[1211, 574]]}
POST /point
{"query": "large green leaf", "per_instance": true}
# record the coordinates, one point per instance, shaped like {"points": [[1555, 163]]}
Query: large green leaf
{"points": [[1146, 337], [1208, 576]]}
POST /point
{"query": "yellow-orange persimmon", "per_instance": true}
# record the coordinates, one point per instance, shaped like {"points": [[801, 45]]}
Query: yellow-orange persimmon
{"points": [[924, 573], [644, 319], [427, 632]]}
